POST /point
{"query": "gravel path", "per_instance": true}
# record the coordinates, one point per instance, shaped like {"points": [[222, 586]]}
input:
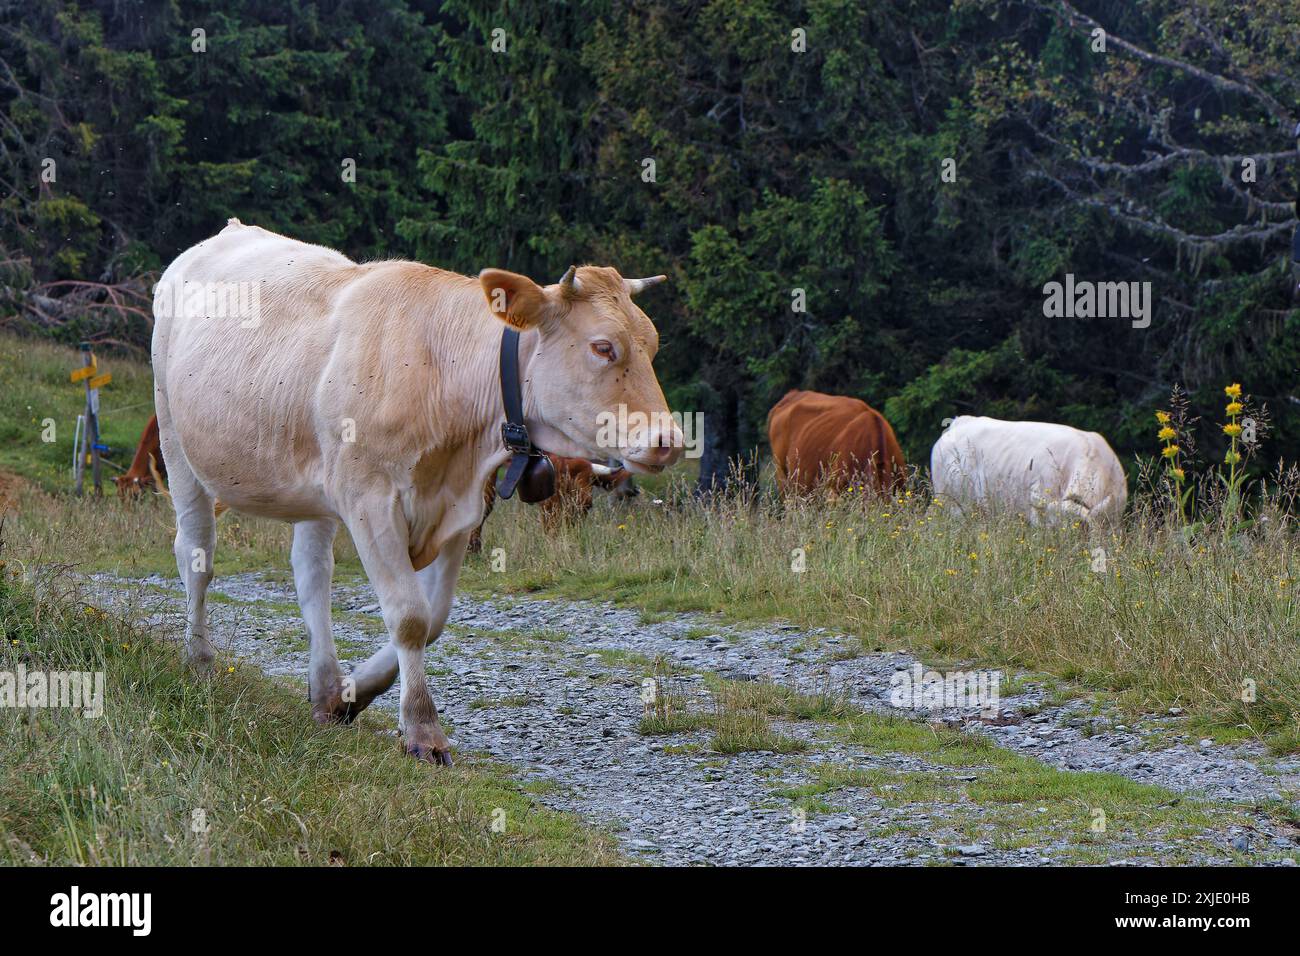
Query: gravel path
{"points": [[554, 689]]}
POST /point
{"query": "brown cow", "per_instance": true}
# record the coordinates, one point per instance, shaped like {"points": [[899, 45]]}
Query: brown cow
{"points": [[141, 475], [832, 439], [574, 479]]}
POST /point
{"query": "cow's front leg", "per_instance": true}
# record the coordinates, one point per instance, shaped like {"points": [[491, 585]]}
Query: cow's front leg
{"points": [[381, 536], [439, 583], [378, 672], [313, 571]]}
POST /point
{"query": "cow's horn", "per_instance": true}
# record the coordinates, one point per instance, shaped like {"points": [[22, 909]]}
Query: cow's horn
{"points": [[569, 281], [640, 285], [604, 471]]}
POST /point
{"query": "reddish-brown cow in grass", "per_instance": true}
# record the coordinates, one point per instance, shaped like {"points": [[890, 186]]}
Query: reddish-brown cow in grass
{"points": [[139, 476], [835, 440], [574, 480]]}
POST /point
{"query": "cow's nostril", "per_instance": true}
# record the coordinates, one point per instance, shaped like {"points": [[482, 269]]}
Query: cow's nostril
{"points": [[665, 453]]}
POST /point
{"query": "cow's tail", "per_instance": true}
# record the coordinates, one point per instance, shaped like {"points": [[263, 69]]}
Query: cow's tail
{"points": [[218, 509]]}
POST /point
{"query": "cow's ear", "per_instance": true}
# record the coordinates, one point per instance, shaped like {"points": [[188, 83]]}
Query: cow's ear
{"points": [[514, 299]]}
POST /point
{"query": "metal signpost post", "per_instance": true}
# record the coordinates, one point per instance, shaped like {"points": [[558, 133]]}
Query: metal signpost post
{"points": [[89, 446]]}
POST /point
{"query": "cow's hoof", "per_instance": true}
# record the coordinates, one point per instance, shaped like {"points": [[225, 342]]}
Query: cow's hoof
{"points": [[427, 742], [329, 707], [202, 666], [334, 711], [337, 714], [201, 656], [430, 755]]}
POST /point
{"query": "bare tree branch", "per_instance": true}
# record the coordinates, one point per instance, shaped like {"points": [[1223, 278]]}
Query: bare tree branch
{"points": [[1085, 24]]}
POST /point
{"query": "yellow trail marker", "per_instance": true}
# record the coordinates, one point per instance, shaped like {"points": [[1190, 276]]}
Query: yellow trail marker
{"points": [[85, 371], [101, 380]]}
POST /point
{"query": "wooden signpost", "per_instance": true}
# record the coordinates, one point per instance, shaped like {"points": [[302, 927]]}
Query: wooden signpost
{"points": [[88, 444]]}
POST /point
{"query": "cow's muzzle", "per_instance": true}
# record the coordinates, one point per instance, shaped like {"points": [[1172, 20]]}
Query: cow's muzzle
{"points": [[663, 447]]}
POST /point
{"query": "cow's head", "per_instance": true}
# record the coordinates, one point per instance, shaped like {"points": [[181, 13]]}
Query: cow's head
{"points": [[588, 368], [131, 486]]}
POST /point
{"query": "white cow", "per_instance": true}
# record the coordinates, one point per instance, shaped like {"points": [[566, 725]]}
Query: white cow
{"points": [[1049, 473], [294, 383]]}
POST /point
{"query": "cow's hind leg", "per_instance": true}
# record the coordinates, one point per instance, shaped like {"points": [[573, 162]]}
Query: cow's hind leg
{"points": [[313, 571], [195, 548], [381, 536], [372, 678]]}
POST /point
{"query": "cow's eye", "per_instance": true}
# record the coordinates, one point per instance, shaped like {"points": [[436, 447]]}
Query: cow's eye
{"points": [[604, 349]]}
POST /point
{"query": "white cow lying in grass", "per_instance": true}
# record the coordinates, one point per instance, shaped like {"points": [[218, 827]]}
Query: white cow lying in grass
{"points": [[1049, 473]]}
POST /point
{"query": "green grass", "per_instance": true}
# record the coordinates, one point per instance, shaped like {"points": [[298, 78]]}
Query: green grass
{"points": [[673, 722], [36, 388], [788, 703], [737, 714], [239, 754], [1025, 802], [937, 745], [742, 731]]}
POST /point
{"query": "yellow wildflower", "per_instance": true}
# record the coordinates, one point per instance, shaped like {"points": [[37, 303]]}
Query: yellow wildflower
{"points": [[1170, 450], [1235, 408], [1232, 428], [1233, 390], [1167, 434], [1163, 418]]}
